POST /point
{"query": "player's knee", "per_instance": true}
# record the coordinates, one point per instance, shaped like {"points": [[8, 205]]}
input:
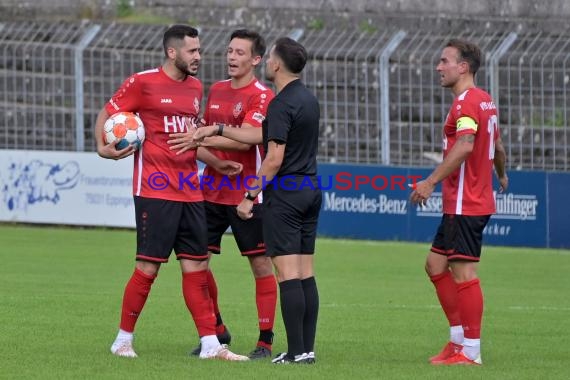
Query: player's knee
{"points": [[261, 266], [436, 264], [463, 272], [148, 268]]}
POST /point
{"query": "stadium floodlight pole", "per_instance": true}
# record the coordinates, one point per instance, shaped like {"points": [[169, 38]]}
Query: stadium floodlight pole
{"points": [[493, 65], [79, 103], [384, 98]]}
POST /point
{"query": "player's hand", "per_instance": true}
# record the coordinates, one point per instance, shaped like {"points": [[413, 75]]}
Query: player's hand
{"points": [[228, 168], [421, 192], [201, 123], [110, 151], [183, 141], [504, 184], [206, 131], [245, 209]]}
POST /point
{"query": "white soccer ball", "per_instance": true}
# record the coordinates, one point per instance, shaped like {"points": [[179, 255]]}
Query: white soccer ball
{"points": [[126, 127]]}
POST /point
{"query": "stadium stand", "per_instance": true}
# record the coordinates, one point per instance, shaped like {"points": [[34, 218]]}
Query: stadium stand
{"points": [[55, 76]]}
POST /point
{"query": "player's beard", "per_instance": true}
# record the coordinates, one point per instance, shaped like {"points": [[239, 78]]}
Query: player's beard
{"points": [[184, 67]]}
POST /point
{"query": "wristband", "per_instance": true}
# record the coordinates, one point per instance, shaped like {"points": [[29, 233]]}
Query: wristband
{"points": [[220, 129], [249, 197]]}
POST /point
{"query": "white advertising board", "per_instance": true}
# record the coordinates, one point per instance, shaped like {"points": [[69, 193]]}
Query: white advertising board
{"points": [[66, 188]]}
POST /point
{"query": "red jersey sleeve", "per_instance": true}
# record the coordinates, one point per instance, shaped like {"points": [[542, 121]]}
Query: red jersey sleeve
{"points": [[257, 109], [467, 107], [127, 98]]}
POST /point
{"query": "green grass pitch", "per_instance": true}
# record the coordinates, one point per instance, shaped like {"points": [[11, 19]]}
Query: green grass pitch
{"points": [[61, 289]]}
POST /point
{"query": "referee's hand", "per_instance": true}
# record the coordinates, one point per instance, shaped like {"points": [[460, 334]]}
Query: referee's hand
{"points": [[245, 209]]}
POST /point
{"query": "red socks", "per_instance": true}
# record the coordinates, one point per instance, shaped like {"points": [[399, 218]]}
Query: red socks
{"points": [[200, 294], [134, 298], [199, 302], [266, 300], [462, 303], [447, 293], [471, 307], [213, 289]]}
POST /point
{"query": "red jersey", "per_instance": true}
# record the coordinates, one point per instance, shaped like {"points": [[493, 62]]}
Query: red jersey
{"points": [[469, 189], [162, 103], [233, 107]]}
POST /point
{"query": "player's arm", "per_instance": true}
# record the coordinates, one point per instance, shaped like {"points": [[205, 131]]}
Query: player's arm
{"points": [[456, 156], [108, 150], [499, 162], [251, 136], [224, 143], [452, 161], [225, 167], [269, 168], [254, 116]]}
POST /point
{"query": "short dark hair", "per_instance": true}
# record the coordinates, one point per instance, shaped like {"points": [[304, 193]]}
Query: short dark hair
{"points": [[468, 52], [257, 42], [177, 33], [292, 53]]}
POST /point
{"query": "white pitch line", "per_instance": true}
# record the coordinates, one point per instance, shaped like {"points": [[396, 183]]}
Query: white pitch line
{"points": [[539, 308], [434, 306], [384, 244]]}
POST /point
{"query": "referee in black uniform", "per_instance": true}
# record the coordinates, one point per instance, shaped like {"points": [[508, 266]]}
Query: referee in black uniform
{"points": [[292, 198]]}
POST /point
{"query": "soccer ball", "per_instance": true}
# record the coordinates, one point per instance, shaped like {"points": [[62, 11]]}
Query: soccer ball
{"points": [[126, 127]]}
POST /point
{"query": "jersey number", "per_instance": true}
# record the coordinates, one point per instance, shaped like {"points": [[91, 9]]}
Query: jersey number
{"points": [[491, 128]]}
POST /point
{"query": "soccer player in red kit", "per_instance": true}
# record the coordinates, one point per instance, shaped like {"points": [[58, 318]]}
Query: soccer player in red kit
{"points": [[169, 207], [241, 102], [471, 148]]}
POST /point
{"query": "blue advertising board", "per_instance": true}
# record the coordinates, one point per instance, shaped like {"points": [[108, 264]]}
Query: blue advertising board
{"points": [[372, 202], [558, 210], [521, 217]]}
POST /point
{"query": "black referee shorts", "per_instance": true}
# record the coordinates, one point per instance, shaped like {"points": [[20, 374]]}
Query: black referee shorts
{"points": [[290, 220], [459, 237]]}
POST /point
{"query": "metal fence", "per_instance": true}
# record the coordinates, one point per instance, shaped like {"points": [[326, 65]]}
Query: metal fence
{"points": [[381, 102]]}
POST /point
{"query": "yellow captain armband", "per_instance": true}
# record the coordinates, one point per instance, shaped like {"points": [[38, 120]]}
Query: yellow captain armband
{"points": [[464, 123]]}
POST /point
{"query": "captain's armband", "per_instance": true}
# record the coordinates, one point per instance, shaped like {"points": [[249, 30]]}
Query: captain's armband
{"points": [[465, 123]]}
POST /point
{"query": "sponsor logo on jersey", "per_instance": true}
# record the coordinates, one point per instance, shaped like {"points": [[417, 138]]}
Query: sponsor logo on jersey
{"points": [[258, 117], [487, 106], [166, 100], [214, 106], [178, 124]]}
